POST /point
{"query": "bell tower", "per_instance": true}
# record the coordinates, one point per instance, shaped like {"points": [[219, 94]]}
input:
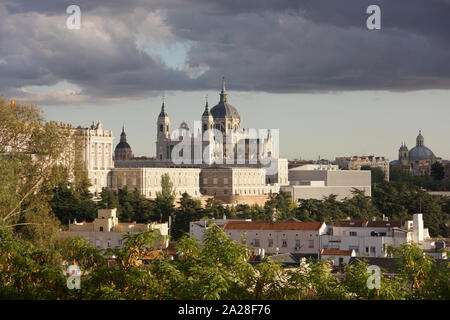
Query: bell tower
{"points": [[163, 133], [207, 118]]}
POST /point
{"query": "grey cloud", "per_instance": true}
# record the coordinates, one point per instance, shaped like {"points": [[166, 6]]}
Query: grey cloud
{"points": [[275, 46]]}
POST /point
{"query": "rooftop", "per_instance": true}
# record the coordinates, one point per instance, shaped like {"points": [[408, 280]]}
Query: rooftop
{"points": [[260, 225]]}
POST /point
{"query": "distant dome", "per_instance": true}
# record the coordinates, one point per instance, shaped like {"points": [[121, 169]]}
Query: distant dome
{"points": [[421, 153]]}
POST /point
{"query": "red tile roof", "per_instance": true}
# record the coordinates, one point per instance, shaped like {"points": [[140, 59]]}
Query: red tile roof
{"points": [[337, 252], [261, 225]]}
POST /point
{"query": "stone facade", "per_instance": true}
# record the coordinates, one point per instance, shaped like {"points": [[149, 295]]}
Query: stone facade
{"points": [[97, 155], [148, 180]]}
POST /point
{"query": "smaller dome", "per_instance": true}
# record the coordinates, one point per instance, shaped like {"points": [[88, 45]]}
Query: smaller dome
{"points": [[123, 145], [184, 125]]}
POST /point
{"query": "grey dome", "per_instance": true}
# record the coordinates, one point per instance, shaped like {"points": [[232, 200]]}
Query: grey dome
{"points": [[123, 145], [421, 153], [224, 110]]}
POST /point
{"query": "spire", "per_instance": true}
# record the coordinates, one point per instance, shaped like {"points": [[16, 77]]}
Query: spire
{"points": [[223, 93], [163, 112], [206, 113], [123, 135]]}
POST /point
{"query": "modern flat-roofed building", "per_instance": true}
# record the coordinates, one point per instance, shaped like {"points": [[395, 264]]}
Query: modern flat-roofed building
{"points": [[320, 182]]}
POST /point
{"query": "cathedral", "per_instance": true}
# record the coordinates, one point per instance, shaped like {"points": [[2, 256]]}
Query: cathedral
{"points": [[220, 135], [418, 160]]}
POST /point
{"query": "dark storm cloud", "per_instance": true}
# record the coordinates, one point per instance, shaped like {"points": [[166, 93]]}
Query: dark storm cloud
{"points": [[276, 46]]}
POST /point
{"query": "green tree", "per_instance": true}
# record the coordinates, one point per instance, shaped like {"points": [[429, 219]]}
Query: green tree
{"points": [[437, 171], [164, 202], [377, 174], [187, 211]]}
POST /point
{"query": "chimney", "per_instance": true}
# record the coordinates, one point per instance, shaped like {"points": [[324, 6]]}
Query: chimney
{"points": [[418, 227]]}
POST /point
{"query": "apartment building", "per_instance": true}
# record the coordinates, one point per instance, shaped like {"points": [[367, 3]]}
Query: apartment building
{"points": [[372, 238], [277, 237]]}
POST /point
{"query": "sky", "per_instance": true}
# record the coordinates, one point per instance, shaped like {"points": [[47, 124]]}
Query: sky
{"points": [[310, 68]]}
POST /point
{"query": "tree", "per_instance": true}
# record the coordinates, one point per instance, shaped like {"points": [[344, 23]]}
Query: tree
{"points": [[37, 158], [187, 211], [164, 202], [69, 204], [437, 171], [377, 174]]}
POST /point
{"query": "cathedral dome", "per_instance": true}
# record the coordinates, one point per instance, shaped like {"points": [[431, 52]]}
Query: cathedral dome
{"points": [[224, 110], [421, 153]]}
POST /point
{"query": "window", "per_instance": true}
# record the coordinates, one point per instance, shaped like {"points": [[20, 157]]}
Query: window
{"points": [[256, 243], [119, 242], [161, 128], [372, 249], [225, 180], [270, 243], [353, 233], [310, 243], [101, 228], [97, 243], [297, 244], [214, 180], [284, 245], [108, 243], [356, 248]]}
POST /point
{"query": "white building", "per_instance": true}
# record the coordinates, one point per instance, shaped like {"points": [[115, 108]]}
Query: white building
{"points": [[277, 237], [97, 155], [372, 238], [107, 232], [319, 181]]}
